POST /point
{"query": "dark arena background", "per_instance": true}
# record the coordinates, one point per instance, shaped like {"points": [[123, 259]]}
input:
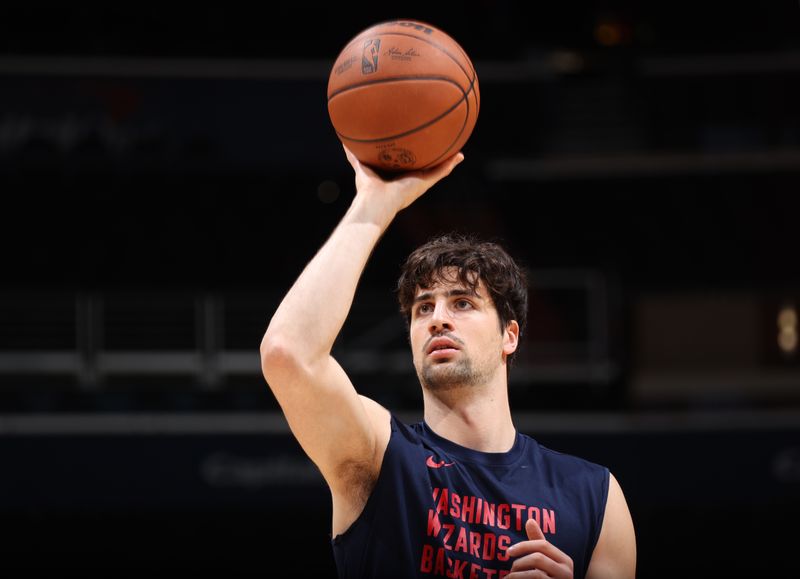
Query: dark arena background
{"points": [[166, 172]]}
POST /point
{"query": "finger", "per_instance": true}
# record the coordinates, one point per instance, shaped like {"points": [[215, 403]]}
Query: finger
{"points": [[533, 530], [457, 158], [436, 173], [539, 546], [350, 156], [446, 167], [527, 575], [356, 164], [541, 562]]}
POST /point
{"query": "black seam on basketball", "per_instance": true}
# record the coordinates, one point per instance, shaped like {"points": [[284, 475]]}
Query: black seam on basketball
{"points": [[397, 79], [464, 98], [444, 154]]}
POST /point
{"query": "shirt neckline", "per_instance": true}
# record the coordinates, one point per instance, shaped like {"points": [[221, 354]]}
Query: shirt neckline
{"points": [[465, 454]]}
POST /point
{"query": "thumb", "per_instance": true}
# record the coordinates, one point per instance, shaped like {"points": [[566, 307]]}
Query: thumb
{"points": [[533, 530]]}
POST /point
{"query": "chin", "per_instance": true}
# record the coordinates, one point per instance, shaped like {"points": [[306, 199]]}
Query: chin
{"points": [[445, 375]]}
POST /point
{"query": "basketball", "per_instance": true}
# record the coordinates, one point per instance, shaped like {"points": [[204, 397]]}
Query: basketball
{"points": [[403, 96]]}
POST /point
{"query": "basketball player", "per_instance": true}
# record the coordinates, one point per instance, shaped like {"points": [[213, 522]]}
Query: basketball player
{"points": [[461, 494]]}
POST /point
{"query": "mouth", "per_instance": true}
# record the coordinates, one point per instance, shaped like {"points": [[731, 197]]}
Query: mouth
{"points": [[441, 348]]}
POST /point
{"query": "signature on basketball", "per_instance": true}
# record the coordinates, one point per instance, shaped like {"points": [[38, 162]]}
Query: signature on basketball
{"points": [[396, 54]]}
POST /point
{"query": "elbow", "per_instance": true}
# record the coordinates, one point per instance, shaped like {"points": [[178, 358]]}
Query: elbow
{"points": [[287, 360], [276, 358], [270, 346], [284, 362]]}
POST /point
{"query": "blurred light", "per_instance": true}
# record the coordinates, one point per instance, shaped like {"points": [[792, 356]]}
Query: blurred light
{"points": [[566, 62], [328, 191], [788, 342], [787, 330], [612, 31], [608, 34], [787, 318]]}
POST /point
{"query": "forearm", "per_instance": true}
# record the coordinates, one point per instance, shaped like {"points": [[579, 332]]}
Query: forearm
{"points": [[314, 310], [312, 314]]}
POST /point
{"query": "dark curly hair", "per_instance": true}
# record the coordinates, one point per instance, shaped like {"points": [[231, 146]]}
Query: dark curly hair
{"points": [[475, 260]]}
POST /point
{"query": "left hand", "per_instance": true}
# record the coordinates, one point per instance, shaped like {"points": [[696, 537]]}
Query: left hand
{"points": [[537, 558]]}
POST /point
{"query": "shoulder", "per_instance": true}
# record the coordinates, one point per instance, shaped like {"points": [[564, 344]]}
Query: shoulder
{"points": [[614, 554], [573, 475], [391, 430], [566, 463]]}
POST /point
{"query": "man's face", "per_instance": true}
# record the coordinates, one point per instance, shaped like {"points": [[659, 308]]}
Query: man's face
{"points": [[455, 335]]}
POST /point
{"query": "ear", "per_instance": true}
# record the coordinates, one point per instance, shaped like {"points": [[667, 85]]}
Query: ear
{"points": [[511, 337]]}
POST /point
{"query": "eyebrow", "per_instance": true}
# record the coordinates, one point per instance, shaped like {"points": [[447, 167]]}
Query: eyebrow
{"points": [[453, 292]]}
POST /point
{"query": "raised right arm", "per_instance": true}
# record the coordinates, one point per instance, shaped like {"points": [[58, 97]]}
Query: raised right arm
{"points": [[340, 431]]}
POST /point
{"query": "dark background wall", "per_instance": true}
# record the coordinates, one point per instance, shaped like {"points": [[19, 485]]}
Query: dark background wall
{"points": [[166, 172]]}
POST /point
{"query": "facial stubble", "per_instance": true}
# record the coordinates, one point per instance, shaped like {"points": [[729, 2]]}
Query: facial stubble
{"points": [[443, 375]]}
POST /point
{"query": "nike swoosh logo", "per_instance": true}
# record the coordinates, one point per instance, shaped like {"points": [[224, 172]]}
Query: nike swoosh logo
{"points": [[433, 464]]}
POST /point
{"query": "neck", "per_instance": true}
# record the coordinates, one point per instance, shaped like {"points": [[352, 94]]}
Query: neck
{"points": [[480, 420]]}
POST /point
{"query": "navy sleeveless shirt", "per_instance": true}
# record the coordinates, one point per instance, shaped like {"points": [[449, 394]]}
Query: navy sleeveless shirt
{"points": [[439, 509]]}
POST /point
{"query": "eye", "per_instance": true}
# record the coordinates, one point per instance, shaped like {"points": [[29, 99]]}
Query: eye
{"points": [[463, 305], [424, 308]]}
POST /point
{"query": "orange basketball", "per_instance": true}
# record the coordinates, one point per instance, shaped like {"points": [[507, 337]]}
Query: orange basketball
{"points": [[403, 95]]}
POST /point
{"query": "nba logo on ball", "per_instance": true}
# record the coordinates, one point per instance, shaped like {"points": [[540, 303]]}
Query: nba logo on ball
{"points": [[369, 56], [414, 101]]}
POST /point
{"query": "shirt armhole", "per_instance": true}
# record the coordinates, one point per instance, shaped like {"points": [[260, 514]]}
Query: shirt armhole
{"points": [[599, 518]]}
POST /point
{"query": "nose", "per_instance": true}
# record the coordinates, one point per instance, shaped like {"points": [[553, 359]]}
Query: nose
{"points": [[440, 320]]}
